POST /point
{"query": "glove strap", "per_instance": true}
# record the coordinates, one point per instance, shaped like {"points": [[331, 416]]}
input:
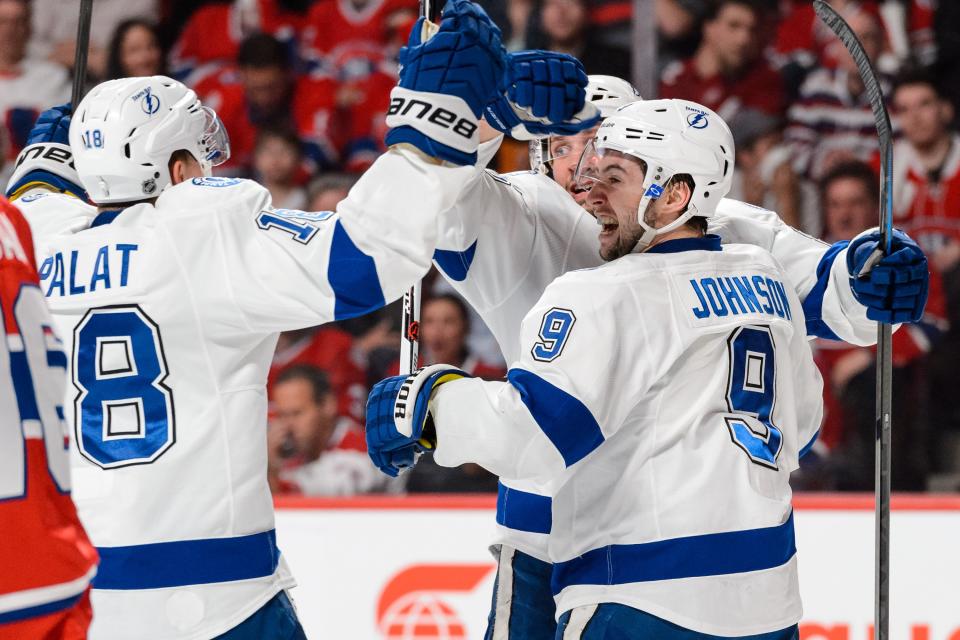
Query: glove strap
{"points": [[443, 118]]}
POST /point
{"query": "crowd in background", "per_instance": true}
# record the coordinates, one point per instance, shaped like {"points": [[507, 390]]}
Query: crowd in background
{"points": [[303, 85]]}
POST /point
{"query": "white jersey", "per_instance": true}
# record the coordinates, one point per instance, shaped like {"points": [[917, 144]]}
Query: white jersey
{"points": [[667, 395], [171, 315], [510, 236]]}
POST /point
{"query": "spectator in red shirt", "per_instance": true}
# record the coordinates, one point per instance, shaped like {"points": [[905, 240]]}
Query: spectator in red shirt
{"points": [[212, 36], [727, 72], [926, 182], [312, 450], [264, 91]]}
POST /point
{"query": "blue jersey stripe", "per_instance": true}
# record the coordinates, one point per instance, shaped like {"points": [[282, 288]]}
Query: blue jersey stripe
{"points": [[813, 303], [523, 511], [353, 277], [187, 562], [40, 609], [455, 264], [807, 447], [690, 557], [565, 420]]}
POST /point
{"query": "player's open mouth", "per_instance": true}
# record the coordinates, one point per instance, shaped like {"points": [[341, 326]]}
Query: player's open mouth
{"points": [[579, 193], [607, 223]]}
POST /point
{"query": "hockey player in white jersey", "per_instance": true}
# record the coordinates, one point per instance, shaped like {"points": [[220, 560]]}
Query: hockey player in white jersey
{"points": [[509, 236], [172, 292], [666, 395]]}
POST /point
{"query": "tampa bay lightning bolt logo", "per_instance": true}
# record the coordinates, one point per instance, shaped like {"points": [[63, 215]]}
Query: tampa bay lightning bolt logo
{"points": [[149, 102], [698, 120]]}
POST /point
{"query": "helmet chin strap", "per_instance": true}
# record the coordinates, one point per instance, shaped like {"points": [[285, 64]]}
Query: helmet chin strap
{"points": [[653, 192]]}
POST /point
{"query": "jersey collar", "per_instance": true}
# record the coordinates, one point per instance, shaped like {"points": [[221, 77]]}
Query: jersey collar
{"points": [[709, 242], [105, 217]]}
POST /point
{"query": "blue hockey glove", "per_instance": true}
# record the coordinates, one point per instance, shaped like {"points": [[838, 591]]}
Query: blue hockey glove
{"points": [[892, 288], [542, 93], [399, 426], [445, 81], [47, 160]]}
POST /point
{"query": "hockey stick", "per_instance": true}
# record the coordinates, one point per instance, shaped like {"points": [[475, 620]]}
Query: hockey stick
{"points": [[410, 320], [80, 57], [884, 355]]}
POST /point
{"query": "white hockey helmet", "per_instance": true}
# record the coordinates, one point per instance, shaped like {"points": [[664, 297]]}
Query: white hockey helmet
{"points": [[607, 93], [672, 137], [124, 132]]}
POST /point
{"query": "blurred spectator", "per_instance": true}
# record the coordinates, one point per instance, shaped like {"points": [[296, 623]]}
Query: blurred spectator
{"points": [[926, 182], [678, 28], [55, 29], [444, 327], [850, 205], [135, 51], [727, 72], [566, 29], [927, 204], [27, 85], [327, 190], [264, 92], [803, 40], [311, 450], [351, 39], [335, 352], [276, 161], [832, 122], [211, 38], [764, 176]]}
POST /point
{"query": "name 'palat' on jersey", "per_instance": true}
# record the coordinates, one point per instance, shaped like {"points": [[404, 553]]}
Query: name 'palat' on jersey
{"points": [[81, 272]]}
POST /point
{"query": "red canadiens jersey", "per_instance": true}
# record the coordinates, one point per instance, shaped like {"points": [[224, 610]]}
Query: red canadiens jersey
{"points": [[312, 111], [927, 209], [352, 41], [760, 87], [214, 32], [47, 561]]}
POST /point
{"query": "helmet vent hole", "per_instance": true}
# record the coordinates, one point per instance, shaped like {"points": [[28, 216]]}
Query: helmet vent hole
{"points": [[723, 149], [726, 167], [126, 149], [660, 110], [156, 174], [706, 194]]}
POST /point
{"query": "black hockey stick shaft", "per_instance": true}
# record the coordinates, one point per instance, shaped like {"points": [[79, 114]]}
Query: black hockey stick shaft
{"points": [[80, 57], [884, 331], [410, 320]]}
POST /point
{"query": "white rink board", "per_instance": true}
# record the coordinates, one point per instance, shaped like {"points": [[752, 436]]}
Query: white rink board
{"points": [[374, 569]]}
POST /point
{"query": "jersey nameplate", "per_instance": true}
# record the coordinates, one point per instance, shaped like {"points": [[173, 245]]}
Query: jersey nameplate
{"points": [[726, 296], [86, 271]]}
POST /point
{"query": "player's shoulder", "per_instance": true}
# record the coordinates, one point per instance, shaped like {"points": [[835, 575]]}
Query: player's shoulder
{"points": [[214, 194], [51, 214]]}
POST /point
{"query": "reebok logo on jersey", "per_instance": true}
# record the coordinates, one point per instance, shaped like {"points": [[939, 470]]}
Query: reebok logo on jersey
{"points": [[735, 295]]}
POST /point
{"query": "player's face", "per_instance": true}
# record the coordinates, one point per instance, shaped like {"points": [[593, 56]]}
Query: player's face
{"points": [[564, 153], [307, 422], [921, 113], [613, 199]]}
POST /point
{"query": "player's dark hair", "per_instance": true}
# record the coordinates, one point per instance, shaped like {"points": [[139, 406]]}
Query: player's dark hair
{"points": [[852, 170], [114, 63], [262, 50], [911, 75], [697, 223], [314, 376]]}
